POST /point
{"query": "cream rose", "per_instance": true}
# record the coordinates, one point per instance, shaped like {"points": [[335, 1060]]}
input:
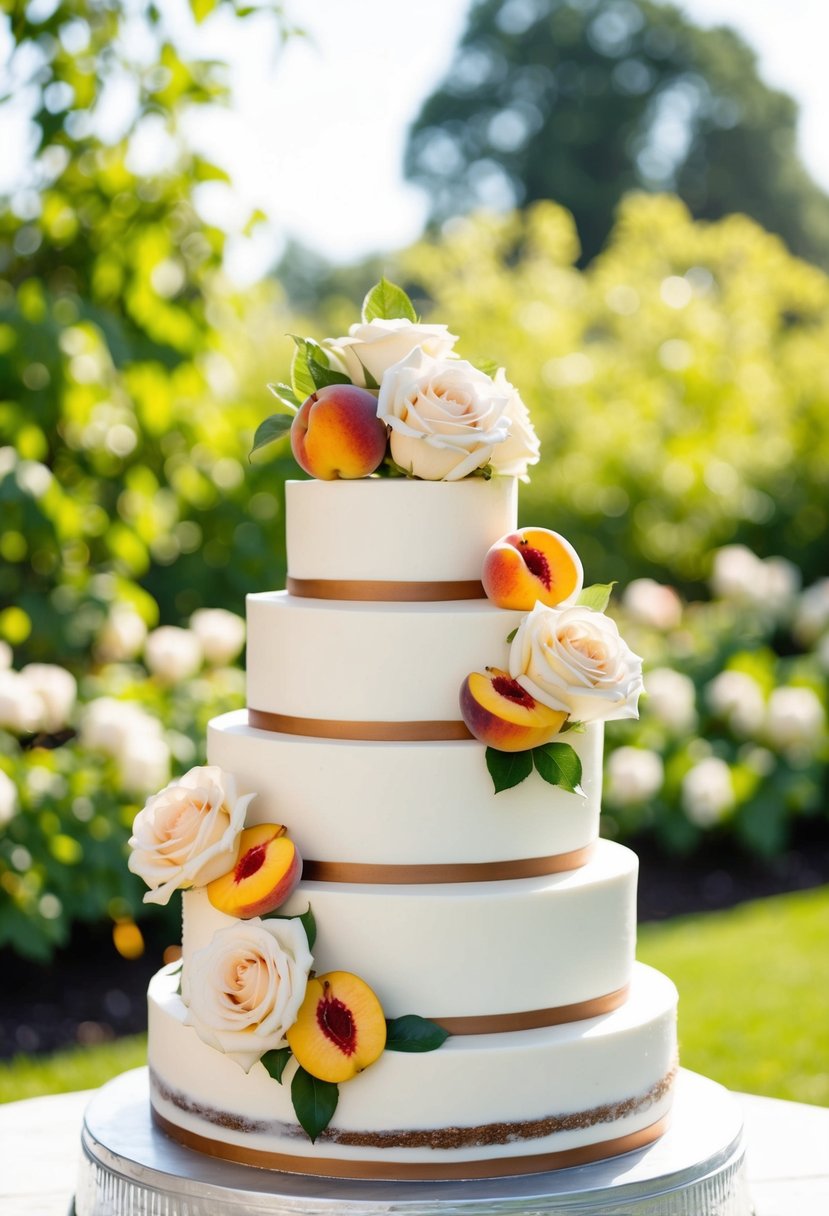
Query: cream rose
{"points": [[245, 988], [445, 416], [521, 448], [188, 834], [377, 345], [573, 659]]}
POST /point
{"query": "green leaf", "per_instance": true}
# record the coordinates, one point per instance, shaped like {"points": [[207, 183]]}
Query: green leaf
{"points": [[508, 768], [323, 376], [512, 633], [413, 1033], [386, 301], [275, 1062], [308, 922], [596, 597], [488, 366], [369, 379], [272, 428], [314, 1102], [558, 764], [286, 396], [302, 378], [202, 9]]}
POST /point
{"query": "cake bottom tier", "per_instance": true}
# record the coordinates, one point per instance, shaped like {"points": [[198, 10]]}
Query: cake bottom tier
{"points": [[480, 1106]]}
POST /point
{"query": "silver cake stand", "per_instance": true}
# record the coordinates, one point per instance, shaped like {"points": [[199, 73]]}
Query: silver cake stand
{"points": [[129, 1168]]}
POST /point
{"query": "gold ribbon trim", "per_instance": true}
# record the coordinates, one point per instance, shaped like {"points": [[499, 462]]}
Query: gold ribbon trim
{"points": [[374, 732], [384, 592], [471, 871], [534, 1019], [493, 1167]]}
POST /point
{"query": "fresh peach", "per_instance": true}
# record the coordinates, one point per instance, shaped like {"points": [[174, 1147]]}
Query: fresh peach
{"points": [[336, 433], [530, 565], [340, 1028], [266, 872], [502, 714]]}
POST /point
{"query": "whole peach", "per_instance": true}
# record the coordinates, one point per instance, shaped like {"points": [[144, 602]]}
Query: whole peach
{"points": [[336, 433]]}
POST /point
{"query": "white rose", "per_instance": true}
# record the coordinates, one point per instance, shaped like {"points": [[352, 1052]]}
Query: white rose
{"points": [[20, 706], [521, 448], [446, 417], [122, 636], [9, 804], [173, 654], [188, 834], [573, 659], [707, 792], [378, 345], [737, 697], [671, 699], [795, 718], [57, 691], [634, 774], [221, 634], [781, 584], [654, 604], [246, 987]]}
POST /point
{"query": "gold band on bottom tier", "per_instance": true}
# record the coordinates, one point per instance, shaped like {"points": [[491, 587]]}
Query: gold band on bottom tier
{"points": [[383, 591], [466, 871], [493, 1167], [535, 1019], [373, 732]]}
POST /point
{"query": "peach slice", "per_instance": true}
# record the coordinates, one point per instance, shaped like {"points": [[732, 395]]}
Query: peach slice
{"points": [[502, 714], [337, 434], [267, 870], [530, 565], [340, 1028]]}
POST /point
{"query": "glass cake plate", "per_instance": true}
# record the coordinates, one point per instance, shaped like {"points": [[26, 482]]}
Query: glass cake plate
{"points": [[129, 1168]]}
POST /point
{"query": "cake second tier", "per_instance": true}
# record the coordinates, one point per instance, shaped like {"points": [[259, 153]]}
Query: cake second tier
{"points": [[474, 956]]}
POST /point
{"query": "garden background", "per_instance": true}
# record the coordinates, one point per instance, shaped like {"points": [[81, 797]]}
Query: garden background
{"points": [[662, 302]]}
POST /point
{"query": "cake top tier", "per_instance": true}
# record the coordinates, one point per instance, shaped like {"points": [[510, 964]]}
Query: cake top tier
{"points": [[396, 529]]}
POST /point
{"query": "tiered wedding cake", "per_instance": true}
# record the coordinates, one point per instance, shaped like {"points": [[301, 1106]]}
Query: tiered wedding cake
{"points": [[435, 902]]}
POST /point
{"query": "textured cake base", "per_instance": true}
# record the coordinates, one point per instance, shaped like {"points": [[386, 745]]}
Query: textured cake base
{"points": [[480, 1105], [129, 1166]]}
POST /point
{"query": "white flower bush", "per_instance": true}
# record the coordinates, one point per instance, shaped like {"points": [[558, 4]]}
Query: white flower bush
{"points": [[795, 719], [671, 698], [738, 698], [653, 604], [173, 654], [220, 633], [708, 792], [634, 775], [123, 635], [9, 802]]}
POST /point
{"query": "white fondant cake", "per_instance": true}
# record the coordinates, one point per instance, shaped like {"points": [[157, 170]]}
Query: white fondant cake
{"points": [[501, 916]]}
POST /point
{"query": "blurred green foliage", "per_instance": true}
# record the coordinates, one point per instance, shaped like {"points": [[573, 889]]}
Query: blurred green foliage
{"points": [[582, 103], [679, 384]]}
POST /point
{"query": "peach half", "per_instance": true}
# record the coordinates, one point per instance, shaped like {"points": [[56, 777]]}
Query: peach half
{"points": [[502, 714], [336, 433], [533, 564], [266, 872], [340, 1028]]}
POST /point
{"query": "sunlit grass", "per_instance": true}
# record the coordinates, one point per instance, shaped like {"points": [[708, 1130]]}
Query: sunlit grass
{"points": [[754, 993], [754, 1005]]}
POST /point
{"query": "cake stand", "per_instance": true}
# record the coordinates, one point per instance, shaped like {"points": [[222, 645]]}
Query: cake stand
{"points": [[130, 1168]]}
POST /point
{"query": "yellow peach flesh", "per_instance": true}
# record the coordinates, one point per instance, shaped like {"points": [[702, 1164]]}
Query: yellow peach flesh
{"points": [[340, 1028], [267, 869], [498, 712]]}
